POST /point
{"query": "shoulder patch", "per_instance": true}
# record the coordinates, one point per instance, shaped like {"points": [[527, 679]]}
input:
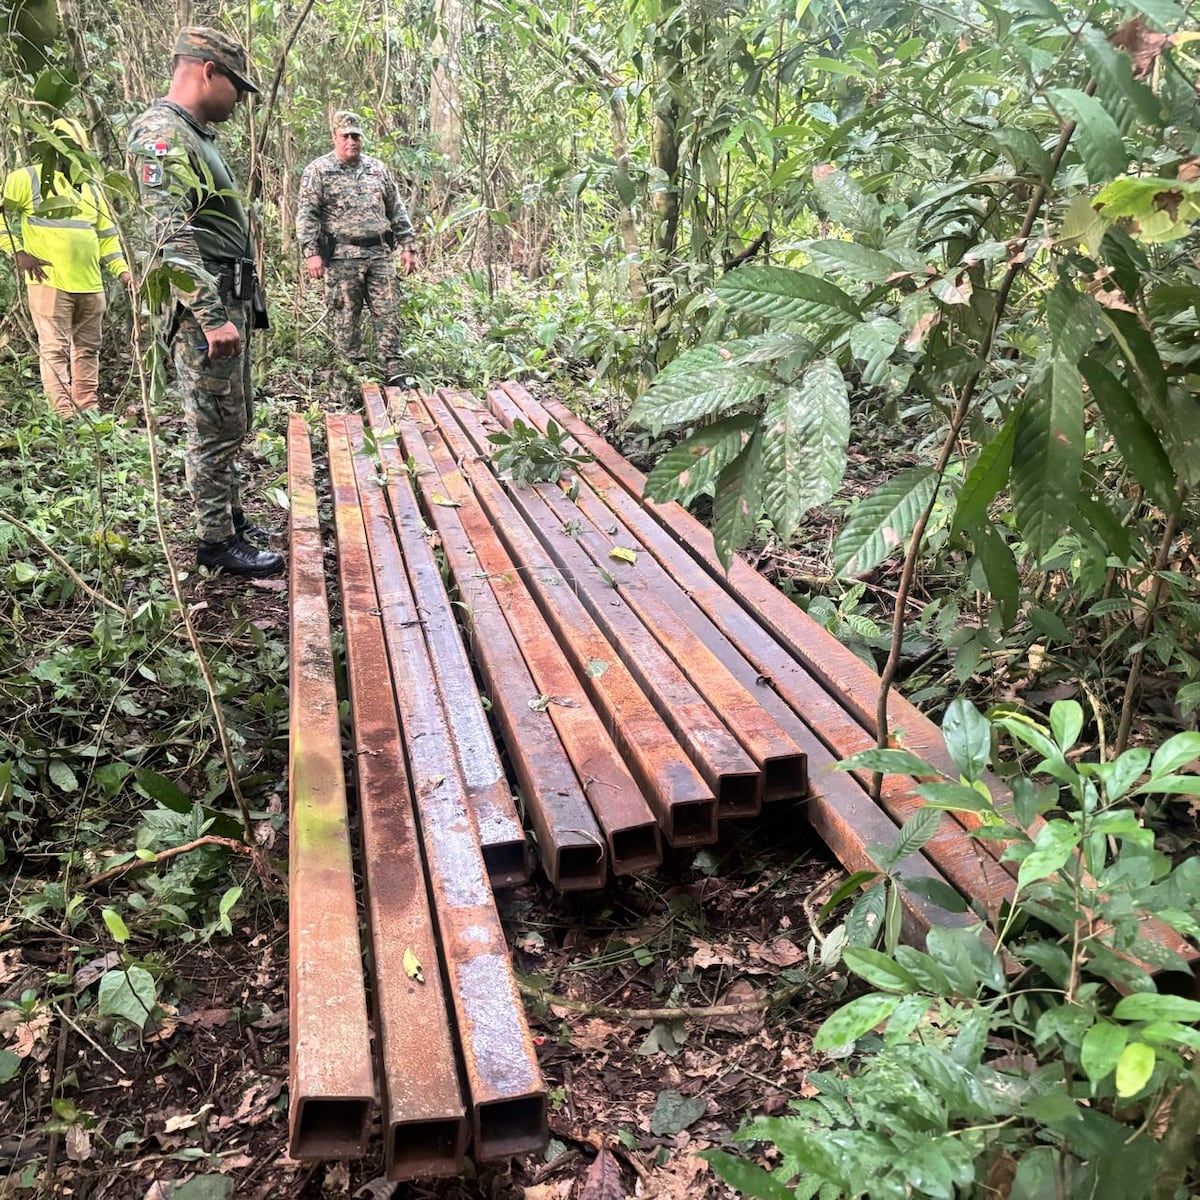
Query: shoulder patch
{"points": [[152, 172]]}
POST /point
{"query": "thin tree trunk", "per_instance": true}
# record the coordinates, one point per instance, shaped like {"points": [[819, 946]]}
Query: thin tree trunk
{"points": [[445, 107]]}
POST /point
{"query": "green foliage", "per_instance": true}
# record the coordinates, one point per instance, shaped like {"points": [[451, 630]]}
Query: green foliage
{"points": [[1038, 1038], [532, 457]]}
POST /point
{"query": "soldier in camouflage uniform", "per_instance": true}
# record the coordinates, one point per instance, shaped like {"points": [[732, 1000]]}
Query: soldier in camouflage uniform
{"points": [[199, 225], [349, 220]]}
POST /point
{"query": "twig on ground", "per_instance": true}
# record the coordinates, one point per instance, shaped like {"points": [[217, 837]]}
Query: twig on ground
{"points": [[264, 869]]}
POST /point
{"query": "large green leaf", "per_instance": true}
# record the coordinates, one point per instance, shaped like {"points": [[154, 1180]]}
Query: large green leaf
{"points": [[748, 1178], [845, 202], [873, 343], [787, 429], [738, 500], [853, 260], [1074, 321], [986, 476], [129, 993], [681, 399], [1134, 1068], [1150, 209], [1024, 149], [1100, 145], [1048, 457], [1000, 569], [853, 1020], [781, 294], [883, 522], [1122, 95], [1133, 434], [692, 467], [1164, 13]]}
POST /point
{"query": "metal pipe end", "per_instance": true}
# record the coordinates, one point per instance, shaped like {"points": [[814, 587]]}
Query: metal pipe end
{"points": [[424, 1149], [635, 848], [785, 778], [506, 1128], [576, 868], [507, 863], [693, 823], [331, 1128], [739, 795]]}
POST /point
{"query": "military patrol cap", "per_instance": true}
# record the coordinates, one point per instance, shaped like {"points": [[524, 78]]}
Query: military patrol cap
{"points": [[347, 122], [211, 45]]}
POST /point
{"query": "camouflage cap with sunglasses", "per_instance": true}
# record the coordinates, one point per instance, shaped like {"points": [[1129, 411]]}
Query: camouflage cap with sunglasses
{"points": [[210, 45]]}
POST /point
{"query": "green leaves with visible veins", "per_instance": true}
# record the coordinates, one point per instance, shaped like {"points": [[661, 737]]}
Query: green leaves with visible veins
{"points": [[781, 294], [882, 522], [687, 396], [1100, 145], [987, 475], [692, 467], [1134, 435], [738, 500], [1048, 457]]}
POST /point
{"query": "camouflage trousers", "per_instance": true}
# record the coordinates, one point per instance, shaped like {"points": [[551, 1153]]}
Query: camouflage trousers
{"points": [[218, 409], [348, 283]]}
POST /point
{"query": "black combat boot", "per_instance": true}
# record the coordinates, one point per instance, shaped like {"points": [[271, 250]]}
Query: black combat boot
{"points": [[235, 557], [256, 535]]}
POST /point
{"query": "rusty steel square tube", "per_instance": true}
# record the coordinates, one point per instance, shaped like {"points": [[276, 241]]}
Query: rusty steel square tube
{"points": [[569, 842], [732, 774], [331, 1086], [967, 865], [501, 836], [424, 1119], [684, 804], [620, 809], [507, 1093]]}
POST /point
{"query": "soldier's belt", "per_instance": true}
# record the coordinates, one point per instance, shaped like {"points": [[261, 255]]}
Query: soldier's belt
{"points": [[376, 239]]}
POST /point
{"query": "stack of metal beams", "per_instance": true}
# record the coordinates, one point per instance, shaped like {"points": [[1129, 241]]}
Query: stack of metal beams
{"points": [[456, 1065]]}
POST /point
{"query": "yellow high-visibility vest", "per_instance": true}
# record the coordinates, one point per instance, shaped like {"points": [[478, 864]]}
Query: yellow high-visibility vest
{"points": [[72, 230]]}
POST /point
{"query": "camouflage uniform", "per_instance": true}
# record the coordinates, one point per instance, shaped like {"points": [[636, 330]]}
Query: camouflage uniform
{"points": [[199, 224], [360, 208]]}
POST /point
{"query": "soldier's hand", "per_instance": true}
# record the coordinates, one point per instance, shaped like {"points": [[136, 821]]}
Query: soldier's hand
{"points": [[316, 266], [31, 265], [408, 259], [224, 341]]}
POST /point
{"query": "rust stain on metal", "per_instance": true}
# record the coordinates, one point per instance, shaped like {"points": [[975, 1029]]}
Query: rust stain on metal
{"points": [[491, 801], [629, 826], [331, 1082], [684, 805], [508, 1101], [425, 1126]]}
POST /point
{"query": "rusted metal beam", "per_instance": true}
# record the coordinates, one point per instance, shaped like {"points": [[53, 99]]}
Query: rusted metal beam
{"points": [[838, 808], [331, 1086], [683, 803], [630, 829], [726, 767], [501, 837], [569, 842], [849, 680], [749, 650], [425, 1125], [507, 1094]]}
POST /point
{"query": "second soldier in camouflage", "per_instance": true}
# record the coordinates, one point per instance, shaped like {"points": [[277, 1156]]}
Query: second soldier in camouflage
{"points": [[349, 220]]}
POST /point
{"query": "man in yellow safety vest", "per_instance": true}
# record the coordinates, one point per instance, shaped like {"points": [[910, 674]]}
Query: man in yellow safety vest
{"points": [[59, 230]]}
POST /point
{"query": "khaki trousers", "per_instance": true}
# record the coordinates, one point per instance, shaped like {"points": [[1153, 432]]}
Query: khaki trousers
{"points": [[68, 328]]}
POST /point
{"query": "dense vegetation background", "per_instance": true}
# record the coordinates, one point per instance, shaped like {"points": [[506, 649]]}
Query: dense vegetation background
{"points": [[902, 297]]}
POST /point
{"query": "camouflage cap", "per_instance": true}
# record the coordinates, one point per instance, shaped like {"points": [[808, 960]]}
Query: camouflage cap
{"points": [[211, 45], [347, 122]]}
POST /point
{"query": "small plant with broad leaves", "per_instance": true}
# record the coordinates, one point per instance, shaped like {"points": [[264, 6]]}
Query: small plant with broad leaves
{"points": [[1040, 1052], [531, 457]]}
